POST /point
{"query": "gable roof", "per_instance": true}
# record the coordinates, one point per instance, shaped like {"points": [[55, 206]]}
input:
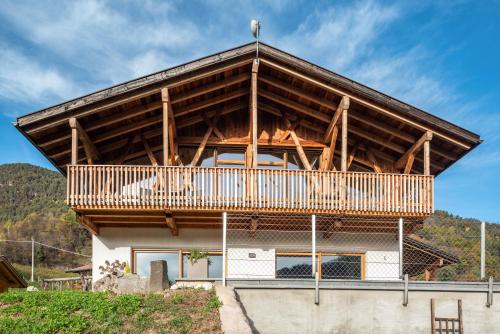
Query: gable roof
{"points": [[453, 141], [9, 276]]}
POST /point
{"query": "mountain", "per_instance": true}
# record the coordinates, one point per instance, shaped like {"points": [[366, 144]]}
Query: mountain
{"points": [[32, 205]]}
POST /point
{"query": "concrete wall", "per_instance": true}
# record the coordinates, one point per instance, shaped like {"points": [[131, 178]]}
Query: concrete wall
{"points": [[117, 244], [363, 311]]}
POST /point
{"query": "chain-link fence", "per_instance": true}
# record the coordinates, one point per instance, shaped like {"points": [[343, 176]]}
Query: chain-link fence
{"points": [[280, 246]]}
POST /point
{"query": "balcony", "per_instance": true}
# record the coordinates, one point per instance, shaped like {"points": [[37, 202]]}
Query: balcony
{"points": [[167, 188]]}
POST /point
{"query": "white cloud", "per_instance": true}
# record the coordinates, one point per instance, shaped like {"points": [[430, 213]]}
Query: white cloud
{"points": [[23, 79], [339, 36]]}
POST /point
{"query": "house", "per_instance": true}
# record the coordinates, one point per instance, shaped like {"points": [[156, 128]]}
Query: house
{"points": [[9, 276], [260, 162]]}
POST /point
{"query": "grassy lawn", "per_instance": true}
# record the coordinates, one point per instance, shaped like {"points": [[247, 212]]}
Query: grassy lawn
{"points": [[180, 311]]}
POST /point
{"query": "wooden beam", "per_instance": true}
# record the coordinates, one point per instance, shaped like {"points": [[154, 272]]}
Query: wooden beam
{"points": [[172, 130], [373, 160], [216, 130], [427, 157], [203, 143], [74, 145], [88, 224], [253, 113], [203, 89], [150, 153], [296, 106], [170, 221], [200, 117], [292, 117], [343, 105], [409, 164], [106, 121], [413, 149], [361, 101], [126, 150], [211, 101], [343, 157], [89, 147], [300, 150], [352, 154], [165, 98], [297, 91], [329, 152]]}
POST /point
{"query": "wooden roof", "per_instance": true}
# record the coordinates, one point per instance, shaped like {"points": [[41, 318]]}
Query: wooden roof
{"points": [[117, 119], [9, 276]]}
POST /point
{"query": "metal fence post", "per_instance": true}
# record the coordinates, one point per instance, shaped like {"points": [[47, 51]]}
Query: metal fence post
{"points": [[224, 251], [32, 259], [400, 240], [313, 228], [483, 250]]}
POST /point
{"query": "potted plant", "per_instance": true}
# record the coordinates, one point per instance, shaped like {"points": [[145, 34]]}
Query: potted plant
{"points": [[197, 267]]}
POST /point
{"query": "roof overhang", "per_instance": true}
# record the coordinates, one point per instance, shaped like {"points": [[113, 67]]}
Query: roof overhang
{"points": [[48, 128]]}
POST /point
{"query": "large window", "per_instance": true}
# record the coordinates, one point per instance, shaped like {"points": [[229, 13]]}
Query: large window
{"points": [[294, 266], [332, 266], [214, 264], [341, 266], [142, 259]]}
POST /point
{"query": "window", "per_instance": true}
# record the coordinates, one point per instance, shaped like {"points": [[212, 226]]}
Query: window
{"points": [[214, 265], [332, 266], [294, 266], [341, 266], [143, 258]]}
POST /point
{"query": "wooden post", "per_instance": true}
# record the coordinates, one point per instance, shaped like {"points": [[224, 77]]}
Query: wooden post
{"points": [[165, 100], [344, 141], [253, 113], [74, 141], [427, 157]]}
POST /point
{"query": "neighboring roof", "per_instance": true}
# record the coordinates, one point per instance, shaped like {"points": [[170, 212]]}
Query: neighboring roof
{"points": [[9, 275], [56, 117], [85, 267], [431, 250]]}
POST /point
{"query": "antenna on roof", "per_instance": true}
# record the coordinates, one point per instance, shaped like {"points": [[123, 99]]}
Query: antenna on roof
{"points": [[255, 28]]}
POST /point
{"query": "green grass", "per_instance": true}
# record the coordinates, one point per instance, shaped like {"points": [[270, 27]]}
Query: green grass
{"points": [[182, 311]]}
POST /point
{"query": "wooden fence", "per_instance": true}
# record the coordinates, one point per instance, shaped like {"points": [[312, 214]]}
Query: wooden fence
{"points": [[200, 188]]}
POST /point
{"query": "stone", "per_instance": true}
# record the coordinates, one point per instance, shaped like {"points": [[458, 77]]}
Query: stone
{"points": [[31, 288], [198, 269], [121, 284], [192, 285], [158, 279]]}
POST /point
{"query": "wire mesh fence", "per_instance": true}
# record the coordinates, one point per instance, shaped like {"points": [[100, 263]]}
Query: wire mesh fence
{"points": [[281, 246]]}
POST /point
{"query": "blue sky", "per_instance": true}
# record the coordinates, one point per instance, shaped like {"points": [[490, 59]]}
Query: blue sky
{"points": [[441, 56]]}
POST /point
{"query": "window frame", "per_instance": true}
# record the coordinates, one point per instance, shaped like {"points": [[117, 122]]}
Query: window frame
{"points": [[319, 256]]}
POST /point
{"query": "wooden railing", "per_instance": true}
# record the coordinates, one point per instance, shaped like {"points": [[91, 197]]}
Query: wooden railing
{"points": [[200, 188]]}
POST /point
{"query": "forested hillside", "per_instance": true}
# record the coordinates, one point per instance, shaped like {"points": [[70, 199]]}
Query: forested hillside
{"points": [[32, 205]]}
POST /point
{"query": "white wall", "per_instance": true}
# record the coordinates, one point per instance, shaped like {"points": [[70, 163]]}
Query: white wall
{"points": [[382, 260]]}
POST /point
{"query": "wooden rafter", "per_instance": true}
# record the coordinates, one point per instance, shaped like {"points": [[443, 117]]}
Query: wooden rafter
{"points": [[89, 147], [150, 153], [210, 114], [125, 150], [203, 143], [352, 154], [170, 221], [211, 101], [329, 152], [88, 224], [300, 150], [204, 89], [216, 130], [292, 117], [343, 105], [427, 136], [358, 100], [295, 105], [373, 160]]}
